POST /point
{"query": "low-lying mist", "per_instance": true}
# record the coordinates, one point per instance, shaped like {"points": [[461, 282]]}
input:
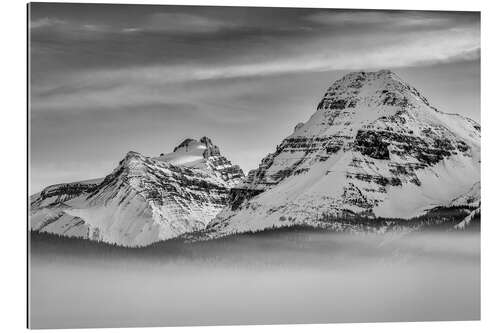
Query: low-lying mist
{"points": [[273, 278]]}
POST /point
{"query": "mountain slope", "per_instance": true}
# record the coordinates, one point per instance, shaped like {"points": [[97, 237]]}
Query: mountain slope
{"points": [[375, 147], [143, 200]]}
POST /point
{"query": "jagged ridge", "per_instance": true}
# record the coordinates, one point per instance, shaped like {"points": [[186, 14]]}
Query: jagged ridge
{"points": [[143, 200]]}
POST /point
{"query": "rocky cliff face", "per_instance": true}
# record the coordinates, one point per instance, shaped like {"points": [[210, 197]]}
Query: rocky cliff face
{"points": [[375, 147], [143, 200]]}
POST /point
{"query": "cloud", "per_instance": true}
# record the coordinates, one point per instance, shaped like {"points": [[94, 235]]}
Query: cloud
{"points": [[184, 23], [78, 30], [45, 22], [142, 85], [382, 18], [166, 23]]}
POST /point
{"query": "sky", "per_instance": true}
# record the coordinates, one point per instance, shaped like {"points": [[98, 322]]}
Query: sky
{"points": [[108, 79]]}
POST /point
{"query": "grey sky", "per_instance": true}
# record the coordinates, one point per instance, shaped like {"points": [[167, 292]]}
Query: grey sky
{"points": [[106, 79]]}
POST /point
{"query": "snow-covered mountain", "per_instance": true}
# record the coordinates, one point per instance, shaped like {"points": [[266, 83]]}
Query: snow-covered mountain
{"points": [[144, 199], [472, 199], [375, 147]]}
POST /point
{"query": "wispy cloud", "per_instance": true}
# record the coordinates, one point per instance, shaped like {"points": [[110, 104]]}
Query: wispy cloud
{"points": [[146, 84], [387, 18], [45, 22], [184, 23], [167, 22], [68, 28]]}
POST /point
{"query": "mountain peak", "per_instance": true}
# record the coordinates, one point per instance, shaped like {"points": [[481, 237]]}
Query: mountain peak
{"points": [[132, 162], [206, 140], [361, 79], [205, 143], [130, 158], [381, 74], [212, 150], [383, 87], [191, 151], [186, 145]]}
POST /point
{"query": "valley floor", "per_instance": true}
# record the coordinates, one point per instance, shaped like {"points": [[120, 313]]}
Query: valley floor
{"points": [[296, 276]]}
